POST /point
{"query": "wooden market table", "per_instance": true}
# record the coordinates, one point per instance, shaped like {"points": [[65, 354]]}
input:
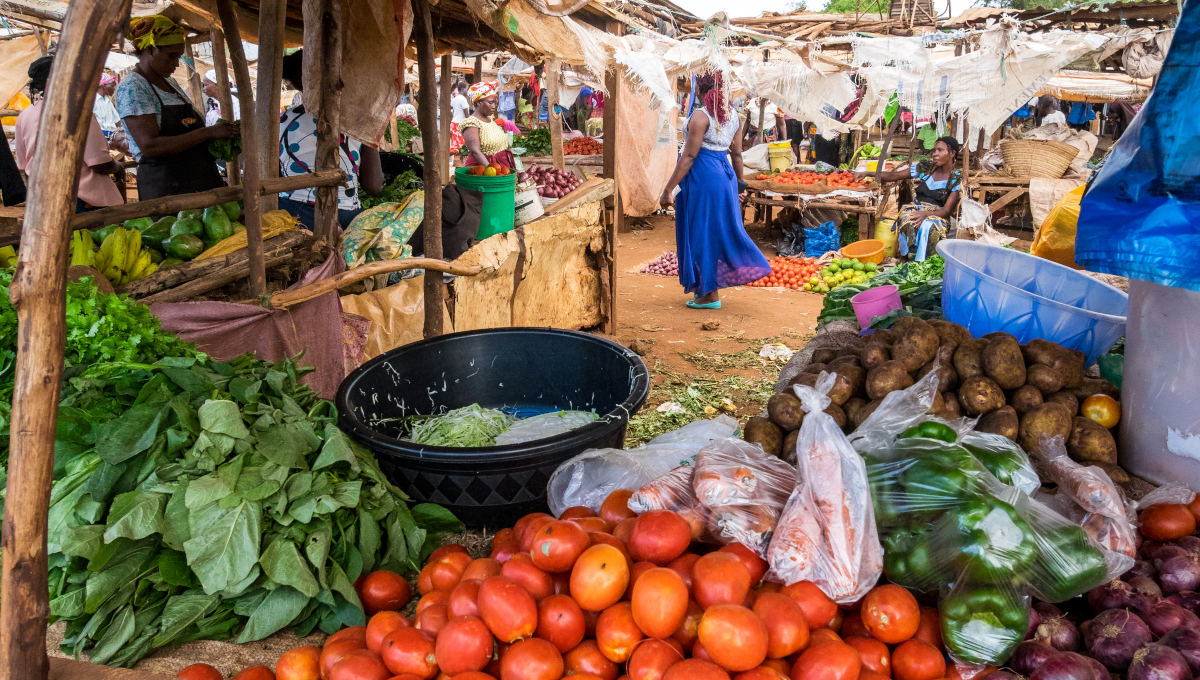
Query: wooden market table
{"points": [[865, 207], [1011, 187], [591, 164]]}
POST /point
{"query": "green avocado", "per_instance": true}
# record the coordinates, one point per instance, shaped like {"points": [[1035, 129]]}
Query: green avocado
{"points": [[190, 214], [158, 232], [183, 246], [141, 223], [217, 225], [102, 233], [156, 255], [238, 227], [188, 226], [233, 209]]}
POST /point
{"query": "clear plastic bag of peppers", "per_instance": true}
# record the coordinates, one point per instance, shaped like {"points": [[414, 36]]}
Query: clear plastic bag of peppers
{"points": [[948, 524]]}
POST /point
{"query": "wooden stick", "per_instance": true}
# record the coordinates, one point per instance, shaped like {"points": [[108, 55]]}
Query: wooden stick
{"points": [[444, 106], [555, 119], [329, 96], [887, 141], [195, 86], [41, 42], [272, 14], [287, 298], [224, 96], [613, 207], [18, 34], [171, 277], [213, 281], [427, 119], [252, 212], [478, 68], [38, 292]]}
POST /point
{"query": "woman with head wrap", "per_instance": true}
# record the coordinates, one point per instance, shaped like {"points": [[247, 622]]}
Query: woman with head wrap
{"points": [[713, 248], [167, 136], [212, 103], [925, 221], [96, 186], [486, 141], [103, 107]]}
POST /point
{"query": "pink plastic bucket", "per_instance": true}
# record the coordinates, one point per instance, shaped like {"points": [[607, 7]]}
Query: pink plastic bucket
{"points": [[875, 302]]}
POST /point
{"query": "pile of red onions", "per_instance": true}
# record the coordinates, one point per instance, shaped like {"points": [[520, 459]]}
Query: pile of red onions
{"points": [[552, 182], [666, 264]]}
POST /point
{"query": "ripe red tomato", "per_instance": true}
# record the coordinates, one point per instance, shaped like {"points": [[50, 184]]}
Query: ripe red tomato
{"points": [[430, 599], [874, 654], [464, 645], [447, 572], [852, 626], [352, 633], [756, 565], [787, 629], [408, 650], [433, 619], [385, 591], [828, 661], [616, 507], [930, 629], [524, 522], [557, 545], [482, 569], [577, 511], [819, 610], [503, 552], [734, 637], [256, 673], [532, 659], [659, 536], [695, 669], [651, 660], [361, 664], [562, 583], [1166, 521], [537, 583], [660, 602], [720, 578], [617, 633], [380, 626], [781, 666], [503, 536], [635, 573], [891, 614], [624, 529], [200, 671], [449, 548], [590, 524], [586, 658], [560, 622], [683, 565], [916, 660], [507, 609], [531, 530], [689, 631], [463, 598], [599, 577], [334, 650], [298, 663], [608, 539], [760, 673], [473, 675]]}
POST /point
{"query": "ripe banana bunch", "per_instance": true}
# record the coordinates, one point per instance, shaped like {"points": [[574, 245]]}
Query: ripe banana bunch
{"points": [[82, 249], [8, 257], [113, 253], [142, 267]]}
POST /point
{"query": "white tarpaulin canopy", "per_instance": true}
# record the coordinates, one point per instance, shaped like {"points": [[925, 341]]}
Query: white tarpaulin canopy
{"points": [[1096, 88]]}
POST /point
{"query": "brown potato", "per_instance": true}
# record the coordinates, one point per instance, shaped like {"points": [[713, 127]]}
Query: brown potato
{"points": [[1091, 441], [806, 379], [762, 431], [951, 408], [950, 333], [1000, 334], [788, 452], [1039, 351], [1069, 364], [968, 359], [852, 406], [1002, 362], [939, 404], [1071, 367], [980, 395], [814, 369], [901, 326], [1003, 421], [824, 355], [838, 415], [916, 346], [881, 336], [1047, 380], [1024, 398], [843, 385], [874, 354], [858, 380], [845, 360], [947, 376], [785, 411], [1089, 386], [865, 412], [1049, 419], [1067, 399], [887, 377], [1114, 472], [848, 352]]}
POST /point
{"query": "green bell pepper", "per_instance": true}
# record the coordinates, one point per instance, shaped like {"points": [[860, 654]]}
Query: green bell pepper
{"points": [[982, 624], [1067, 564], [907, 561], [1002, 463], [931, 429], [996, 542], [931, 485]]}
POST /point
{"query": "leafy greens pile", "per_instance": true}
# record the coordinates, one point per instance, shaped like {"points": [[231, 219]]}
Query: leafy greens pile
{"points": [[405, 130], [227, 149], [919, 284], [471, 426], [535, 142], [199, 500], [395, 192]]}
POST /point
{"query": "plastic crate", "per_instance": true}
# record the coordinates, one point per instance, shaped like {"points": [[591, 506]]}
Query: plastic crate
{"points": [[988, 288]]}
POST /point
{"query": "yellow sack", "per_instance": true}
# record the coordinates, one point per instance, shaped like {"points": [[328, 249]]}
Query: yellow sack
{"points": [[885, 230], [273, 223], [1055, 241]]}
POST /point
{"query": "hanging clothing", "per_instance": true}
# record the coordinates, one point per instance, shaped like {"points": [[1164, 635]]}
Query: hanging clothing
{"points": [[710, 239], [1081, 113], [12, 185]]}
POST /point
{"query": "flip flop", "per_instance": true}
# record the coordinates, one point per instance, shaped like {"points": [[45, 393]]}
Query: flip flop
{"points": [[703, 305]]}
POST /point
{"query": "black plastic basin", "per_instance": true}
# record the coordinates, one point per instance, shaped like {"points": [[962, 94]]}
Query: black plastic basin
{"points": [[524, 371]]}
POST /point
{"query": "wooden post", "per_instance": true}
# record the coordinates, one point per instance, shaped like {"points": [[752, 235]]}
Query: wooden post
{"points": [[38, 293], [427, 119], [444, 106], [762, 114], [271, 15], [37, 33], [883, 150], [553, 74], [329, 94], [966, 153], [251, 150], [612, 161], [224, 96], [195, 85], [478, 68]]}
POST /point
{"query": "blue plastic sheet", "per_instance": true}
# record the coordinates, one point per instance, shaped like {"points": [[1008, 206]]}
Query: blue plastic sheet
{"points": [[1141, 218], [821, 240]]}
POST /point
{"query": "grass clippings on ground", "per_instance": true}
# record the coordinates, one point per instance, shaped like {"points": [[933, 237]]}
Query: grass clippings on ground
{"points": [[698, 397]]}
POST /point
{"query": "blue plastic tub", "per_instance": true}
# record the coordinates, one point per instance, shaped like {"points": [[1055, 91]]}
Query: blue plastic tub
{"points": [[987, 289]]}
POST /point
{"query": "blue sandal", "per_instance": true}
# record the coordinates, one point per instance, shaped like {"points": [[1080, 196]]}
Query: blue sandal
{"points": [[703, 305]]}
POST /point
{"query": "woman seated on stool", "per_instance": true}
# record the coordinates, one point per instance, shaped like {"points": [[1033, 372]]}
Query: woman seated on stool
{"points": [[924, 221]]}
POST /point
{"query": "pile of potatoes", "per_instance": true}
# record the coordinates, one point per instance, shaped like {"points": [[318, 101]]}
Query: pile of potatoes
{"points": [[1018, 391]]}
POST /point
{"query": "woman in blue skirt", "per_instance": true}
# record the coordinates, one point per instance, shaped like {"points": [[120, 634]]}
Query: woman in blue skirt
{"points": [[714, 250]]}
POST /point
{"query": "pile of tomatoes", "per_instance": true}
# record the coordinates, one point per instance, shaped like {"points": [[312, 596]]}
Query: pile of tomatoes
{"points": [[586, 146], [794, 177], [788, 272], [617, 595], [843, 179]]}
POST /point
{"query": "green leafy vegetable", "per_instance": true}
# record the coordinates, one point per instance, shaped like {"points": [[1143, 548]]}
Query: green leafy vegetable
{"points": [[405, 130], [227, 149], [920, 288], [535, 142], [471, 426], [404, 184]]}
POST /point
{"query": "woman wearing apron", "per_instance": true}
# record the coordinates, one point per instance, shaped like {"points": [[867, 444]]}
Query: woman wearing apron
{"points": [[926, 220], [167, 136]]}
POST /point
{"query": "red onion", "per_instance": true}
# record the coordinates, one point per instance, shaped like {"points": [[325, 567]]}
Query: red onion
{"points": [[1165, 553], [1159, 662], [1058, 633], [1148, 548], [1047, 610], [1035, 619], [1179, 573], [1147, 587], [1164, 616], [1140, 568], [1101, 671], [1030, 655], [1002, 675], [1066, 666], [1113, 637], [1116, 594], [1188, 599], [1189, 543], [1186, 641]]}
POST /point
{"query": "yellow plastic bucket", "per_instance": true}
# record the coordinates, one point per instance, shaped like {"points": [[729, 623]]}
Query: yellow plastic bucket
{"points": [[780, 154], [885, 230]]}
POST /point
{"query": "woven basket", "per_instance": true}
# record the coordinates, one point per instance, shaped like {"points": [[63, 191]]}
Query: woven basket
{"points": [[1037, 157]]}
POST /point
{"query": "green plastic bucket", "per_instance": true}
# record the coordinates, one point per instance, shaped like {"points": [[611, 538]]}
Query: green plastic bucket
{"points": [[499, 200]]}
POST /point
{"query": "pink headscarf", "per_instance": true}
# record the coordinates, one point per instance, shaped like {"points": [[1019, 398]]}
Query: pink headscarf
{"points": [[106, 79]]}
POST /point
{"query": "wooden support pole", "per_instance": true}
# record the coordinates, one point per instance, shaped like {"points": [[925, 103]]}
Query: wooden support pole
{"points": [[37, 33], [553, 75], [224, 96], [328, 60], [762, 114], [966, 154], [270, 75], [445, 115], [883, 150], [38, 292], [251, 149], [616, 222], [478, 68], [427, 119], [195, 83]]}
